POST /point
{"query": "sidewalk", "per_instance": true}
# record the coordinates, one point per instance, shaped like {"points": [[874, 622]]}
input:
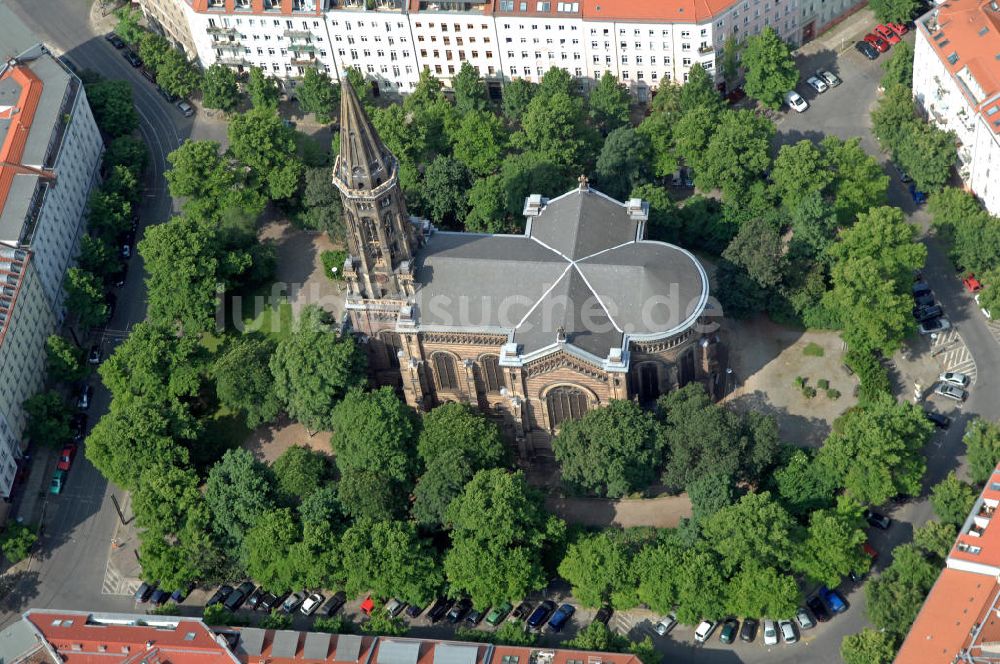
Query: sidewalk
{"points": [[842, 36]]}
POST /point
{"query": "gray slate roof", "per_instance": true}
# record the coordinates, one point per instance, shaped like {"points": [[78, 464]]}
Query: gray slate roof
{"points": [[581, 265]]}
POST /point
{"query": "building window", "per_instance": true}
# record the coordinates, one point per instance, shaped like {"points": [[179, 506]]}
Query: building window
{"points": [[445, 372], [564, 404], [492, 373]]}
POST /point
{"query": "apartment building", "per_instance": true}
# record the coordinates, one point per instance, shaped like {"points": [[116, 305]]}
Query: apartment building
{"points": [[49, 161], [960, 619], [169, 18], [45, 636], [642, 42], [956, 80]]}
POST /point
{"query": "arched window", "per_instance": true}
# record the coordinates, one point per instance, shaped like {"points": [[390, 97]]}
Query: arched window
{"points": [[444, 370], [565, 403], [492, 373]]}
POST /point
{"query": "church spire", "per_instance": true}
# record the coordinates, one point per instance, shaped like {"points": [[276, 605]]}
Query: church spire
{"points": [[364, 162]]}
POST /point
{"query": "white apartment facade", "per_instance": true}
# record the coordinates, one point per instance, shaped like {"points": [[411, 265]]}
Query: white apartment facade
{"points": [[956, 80], [642, 42], [50, 159]]}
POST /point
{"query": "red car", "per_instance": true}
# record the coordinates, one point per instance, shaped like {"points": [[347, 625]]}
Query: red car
{"points": [[877, 43], [971, 283], [66, 457], [887, 34], [898, 28], [869, 551]]}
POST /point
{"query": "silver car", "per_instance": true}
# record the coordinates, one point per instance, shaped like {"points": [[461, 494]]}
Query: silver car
{"points": [[770, 633], [951, 391], [934, 326], [817, 84], [788, 634], [803, 618], [666, 624], [828, 77], [954, 378]]}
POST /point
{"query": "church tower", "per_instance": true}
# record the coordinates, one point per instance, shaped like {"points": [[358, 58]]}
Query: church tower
{"points": [[381, 239]]}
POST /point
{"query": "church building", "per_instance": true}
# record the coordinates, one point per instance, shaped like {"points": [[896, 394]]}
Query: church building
{"points": [[534, 328]]}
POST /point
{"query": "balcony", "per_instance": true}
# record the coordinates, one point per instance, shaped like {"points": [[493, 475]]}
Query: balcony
{"points": [[215, 30], [235, 46], [234, 61], [986, 512], [301, 48], [705, 48], [298, 34]]}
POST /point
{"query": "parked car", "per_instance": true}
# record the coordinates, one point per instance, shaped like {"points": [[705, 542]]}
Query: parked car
{"points": [[186, 109], [179, 595], [937, 419], [833, 600], [169, 96], [704, 630], [292, 602], [877, 42], [869, 52], [926, 300], [132, 58], [219, 595], [795, 101], [66, 457], [84, 396], [159, 597], [254, 600], [269, 601], [394, 607], [877, 519], [735, 96], [561, 617], [603, 615], [58, 482], [476, 616], [922, 314], [887, 34], [335, 603], [749, 630], [79, 425], [803, 618], [817, 84], [94, 356], [729, 629], [666, 624], [522, 611], [787, 630], [934, 326], [919, 197], [440, 609], [828, 77], [238, 596], [459, 609], [114, 40], [144, 592], [818, 609], [904, 177], [971, 283], [870, 551], [311, 604], [955, 378], [920, 289], [951, 392], [497, 615], [899, 28], [770, 633], [541, 612], [148, 75]]}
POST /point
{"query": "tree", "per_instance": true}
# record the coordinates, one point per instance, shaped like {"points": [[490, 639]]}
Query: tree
{"points": [[265, 548], [553, 126], [895, 11], [261, 142], [470, 90], [487, 206], [203, 175], [122, 182], [927, 155], [321, 201], [371, 495], [756, 529], [758, 590], [799, 171], [443, 481], [952, 499], [176, 75], [597, 637], [155, 364], [664, 222], [982, 448], [935, 538], [162, 501], [895, 118], [832, 548], [108, 215], [128, 151], [153, 50], [262, 89], [238, 492], [243, 379], [480, 142], [699, 91], [873, 263], [313, 368], [874, 450], [128, 26], [598, 567], [730, 64], [738, 153], [374, 432], [220, 89], [759, 248], [445, 183], [899, 66], [17, 541], [454, 430], [858, 182], [499, 533], [895, 597], [610, 451], [869, 646], [770, 69], [557, 80], [85, 297], [609, 103], [516, 96], [803, 485], [381, 623], [317, 94], [111, 103], [300, 472], [624, 161], [387, 559], [526, 173], [64, 359], [691, 136], [47, 419], [659, 128]]}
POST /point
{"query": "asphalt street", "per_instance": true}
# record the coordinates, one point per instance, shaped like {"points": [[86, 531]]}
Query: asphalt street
{"points": [[79, 523]]}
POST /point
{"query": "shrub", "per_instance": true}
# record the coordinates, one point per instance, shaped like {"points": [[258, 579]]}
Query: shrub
{"points": [[334, 625], [277, 620], [809, 392], [873, 376], [813, 349], [823, 384], [334, 259], [16, 542], [833, 394], [800, 382]]}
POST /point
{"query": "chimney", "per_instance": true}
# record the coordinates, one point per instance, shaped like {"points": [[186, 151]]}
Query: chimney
{"points": [[533, 205], [638, 209]]}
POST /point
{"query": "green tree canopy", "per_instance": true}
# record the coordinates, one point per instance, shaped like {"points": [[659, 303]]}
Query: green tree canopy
{"points": [[756, 529], [770, 69], [610, 451], [243, 379], [238, 493], [176, 75], [869, 646], [858, 182], [894, 120], [553, 126], [261, 142], [85, 297], [935, 538], [952, 499], [264, 550], [64, 359], [262, 89], [111, 103], [899, 66], [927, 154], [442, 482], [758, 590], [470, 90], [609, 103], [516, 96], [208, 180], [803, 485], [624, 162], [300, 472], [318, 95], [599, 567], [388, 559], [219, 88], [375, 432], [832, 547], [47, 419], [760, 250], [982, 448], [446, 181], [455, 430], [738, 153], [799, 171], [154, 364], [895, 597], [480, 142], [321, 203], [895, 11]]}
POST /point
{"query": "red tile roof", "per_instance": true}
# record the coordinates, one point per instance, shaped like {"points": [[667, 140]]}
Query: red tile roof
{"points": [[22, 113], [654, 10]]}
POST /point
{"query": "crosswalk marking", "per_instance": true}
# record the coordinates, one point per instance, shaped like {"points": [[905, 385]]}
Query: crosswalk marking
{"points": [[953, 355], [116, 584]]}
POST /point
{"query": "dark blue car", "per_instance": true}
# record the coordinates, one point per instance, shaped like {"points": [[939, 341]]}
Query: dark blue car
{"points": [[833, 600], [541, 612], [918, 196], [561, 617]]}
